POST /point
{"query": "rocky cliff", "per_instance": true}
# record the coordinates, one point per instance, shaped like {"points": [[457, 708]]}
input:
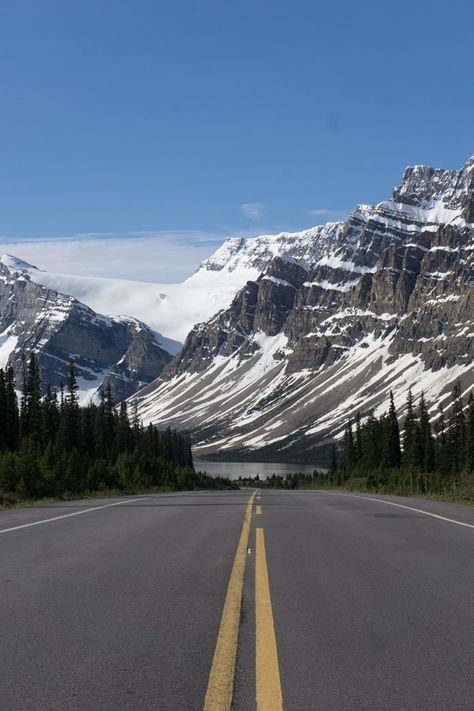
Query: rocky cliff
{"points": [[382, 301], [123, 352]]}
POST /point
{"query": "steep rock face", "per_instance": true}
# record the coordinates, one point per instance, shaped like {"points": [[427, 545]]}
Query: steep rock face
{"points": [[256, 253], [124, 353], [386, 302]]}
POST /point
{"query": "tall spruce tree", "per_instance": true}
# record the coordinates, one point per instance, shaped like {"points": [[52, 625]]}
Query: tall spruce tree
{"points": [[456, 432], [70, 423], [358, 439], [392, 455], [469, 455], [425, 441], [410, 454], [348, 449]]}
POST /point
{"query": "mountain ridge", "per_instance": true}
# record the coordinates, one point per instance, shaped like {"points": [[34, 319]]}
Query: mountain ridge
{"points": [[124, 353], [389, 292]]}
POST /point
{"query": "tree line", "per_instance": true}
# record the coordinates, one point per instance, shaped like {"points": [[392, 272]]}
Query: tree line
{"points": [[393, 454], [52, 447], [415, 457]]}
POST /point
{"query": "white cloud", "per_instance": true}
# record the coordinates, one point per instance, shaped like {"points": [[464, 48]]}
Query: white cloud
{"points": [[329, 214], [160, 256], [320, 211], [253, 210]]}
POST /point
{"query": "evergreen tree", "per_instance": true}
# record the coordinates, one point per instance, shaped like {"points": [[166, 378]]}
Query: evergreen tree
{"points": [[425, 437], [333, 465], [348, 449], [61, 448], [12, 415], [70, 423], [392, 455], [31, 403], [442, 464], [410, 448], [358, 439], [456, 432], [469, 444]]}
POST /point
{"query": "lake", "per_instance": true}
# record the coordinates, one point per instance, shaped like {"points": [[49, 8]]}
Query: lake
{"points": [[232, 470]]}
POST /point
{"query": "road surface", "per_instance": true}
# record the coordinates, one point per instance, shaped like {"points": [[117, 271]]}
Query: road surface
{"points": [[297, 600]]}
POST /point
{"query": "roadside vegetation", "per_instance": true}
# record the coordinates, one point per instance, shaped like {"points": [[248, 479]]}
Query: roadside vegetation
{"points": [[423, 460], [52, 448]]}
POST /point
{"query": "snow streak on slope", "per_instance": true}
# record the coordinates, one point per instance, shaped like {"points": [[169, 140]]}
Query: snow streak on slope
{"points": [[246, 404], [386, 301]]}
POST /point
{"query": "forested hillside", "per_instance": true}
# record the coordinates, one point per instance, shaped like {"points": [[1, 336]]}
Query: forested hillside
{"points": [[50, 447], [401, 455]]}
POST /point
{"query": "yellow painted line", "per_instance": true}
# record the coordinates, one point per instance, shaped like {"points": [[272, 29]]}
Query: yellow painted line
{"points": [[258, 510], [269, 696], [221, 679]]}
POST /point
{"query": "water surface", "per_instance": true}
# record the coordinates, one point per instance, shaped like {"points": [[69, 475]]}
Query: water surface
{"points": [[232, 470]]}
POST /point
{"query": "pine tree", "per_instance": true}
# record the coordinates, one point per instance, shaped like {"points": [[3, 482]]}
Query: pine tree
{"points": [[333, 465], [426, 442], [12, 415], [371, 438], [456, 432], [3, 410], [50, 414], [348, 449], [358, 439], [31, 401], [469, 444], [392, 454], [441, 445], [70, 421], [123, 436], [410, 456]]}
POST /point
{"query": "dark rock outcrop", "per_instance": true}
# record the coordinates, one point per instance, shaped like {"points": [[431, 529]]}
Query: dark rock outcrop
{"points": [[58, 328], [392, 292]]}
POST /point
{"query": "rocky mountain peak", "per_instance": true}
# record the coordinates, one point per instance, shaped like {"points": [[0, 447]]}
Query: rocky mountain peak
{"points": [[256, 253], [424, 186], [14, 263], [58, 328], [334, 318], [469, 165]]}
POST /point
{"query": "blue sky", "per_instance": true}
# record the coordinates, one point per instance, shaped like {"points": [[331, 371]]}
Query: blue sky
{"points": [[210, 118]]}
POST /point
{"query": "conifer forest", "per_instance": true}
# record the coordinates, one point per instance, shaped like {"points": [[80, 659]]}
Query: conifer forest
{"points": [[52, 447], [408, 454]]}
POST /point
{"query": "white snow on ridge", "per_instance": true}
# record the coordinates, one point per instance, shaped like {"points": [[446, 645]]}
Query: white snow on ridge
{"points": [[15, 264], [173, 309], [239, 254], [8, 344], [170, 309]]}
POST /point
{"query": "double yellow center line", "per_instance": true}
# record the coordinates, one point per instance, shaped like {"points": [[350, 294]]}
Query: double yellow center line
{"points": [[221, 679], [269, 696]]}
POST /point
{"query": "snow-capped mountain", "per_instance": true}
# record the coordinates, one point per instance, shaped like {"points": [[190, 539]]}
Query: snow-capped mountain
{"points": [[173, 309], [337, 316], [123, 352]]}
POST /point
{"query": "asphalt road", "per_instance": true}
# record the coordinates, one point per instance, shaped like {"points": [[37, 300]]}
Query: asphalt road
{"points": [[120, 607]]}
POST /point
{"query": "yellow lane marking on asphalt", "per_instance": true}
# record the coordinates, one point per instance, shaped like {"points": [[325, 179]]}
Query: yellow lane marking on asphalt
{"points": [[258, 510], [269, 696], [221, 679]]}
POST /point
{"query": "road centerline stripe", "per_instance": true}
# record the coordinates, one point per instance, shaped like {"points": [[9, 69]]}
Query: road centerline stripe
{"points": [[258, 510], [269, 695], [75, 513], [221, 678]]}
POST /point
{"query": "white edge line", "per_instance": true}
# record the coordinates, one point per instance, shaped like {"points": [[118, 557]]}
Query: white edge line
{"points": [[400, 506], [75, 513]]}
